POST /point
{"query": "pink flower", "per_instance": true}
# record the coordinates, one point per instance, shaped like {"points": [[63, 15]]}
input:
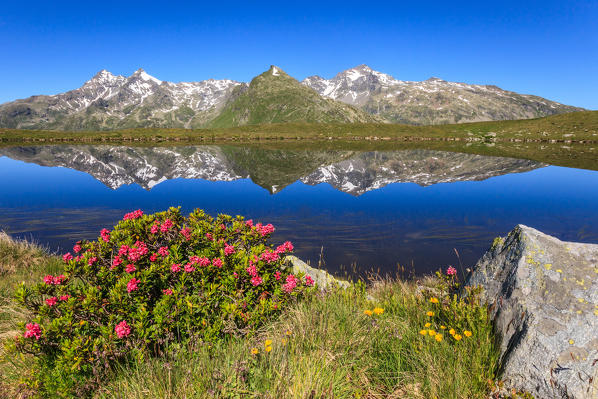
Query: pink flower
{"points": [[217, 262], [122, 329], [249, 223], [51, 301], [264, 230], [49, 279], [235, 275], [163, 251], [291, 283], [92, 260], [176, 267], [186, 232], [167, 291], [309, 281], [256, 280], [222, 227], [189, 268], [77, 248], [286, 247], [132, 284], [269, 257], [33, 331], [229, 249], [123, 250], [252, 270], [130, 268], [155, 228], [67, 257], [133, 215], [209, 237], [58, 279], [451, 271], [65, 297], [117, 261], [105, 235], [166, 225], [277, 275]]}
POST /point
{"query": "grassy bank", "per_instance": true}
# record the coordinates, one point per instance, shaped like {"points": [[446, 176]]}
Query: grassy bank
{"points": [[571, 127], [322, 347]]}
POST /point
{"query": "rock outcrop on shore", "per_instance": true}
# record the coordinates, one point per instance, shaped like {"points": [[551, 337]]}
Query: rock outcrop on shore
{"points": [[543, 295]]}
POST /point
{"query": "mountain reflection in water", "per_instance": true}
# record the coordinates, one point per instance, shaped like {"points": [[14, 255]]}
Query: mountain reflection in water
{"points": [[381, 223]]}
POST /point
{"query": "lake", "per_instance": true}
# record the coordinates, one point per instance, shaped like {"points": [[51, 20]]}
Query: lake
{"points": [[347, 210]]}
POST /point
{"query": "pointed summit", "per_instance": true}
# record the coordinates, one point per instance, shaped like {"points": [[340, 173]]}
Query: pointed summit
{"points": [[103, 77], [141, 74]]}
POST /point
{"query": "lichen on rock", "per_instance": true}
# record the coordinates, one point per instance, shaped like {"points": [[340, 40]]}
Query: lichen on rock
{"points": [[543, 297]]}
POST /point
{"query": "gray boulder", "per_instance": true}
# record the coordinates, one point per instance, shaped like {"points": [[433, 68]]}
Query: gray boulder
{"points": [[322, 278], [543, 295]]}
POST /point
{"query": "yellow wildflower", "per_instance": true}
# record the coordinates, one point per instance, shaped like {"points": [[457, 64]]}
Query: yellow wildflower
{"points": [[443, 327], [571, 342], [430, 313], [432, 332], [268, 348], [368, 312], [438, 337], [423, 332], [452, 331], [378, 311], [254, 351], [457, 337], [434, 300], [427, 325], [288, 332], [268, 342], [467, 333]]}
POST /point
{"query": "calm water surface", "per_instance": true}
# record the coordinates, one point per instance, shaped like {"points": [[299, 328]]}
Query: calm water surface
{"points": [[358, 210]]}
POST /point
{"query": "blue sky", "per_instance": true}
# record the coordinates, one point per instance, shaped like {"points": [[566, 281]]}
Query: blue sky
{"points": [[548, 48]]}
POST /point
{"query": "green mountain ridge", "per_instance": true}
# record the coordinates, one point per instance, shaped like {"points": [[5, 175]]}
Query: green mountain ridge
{"points": [[275, 97]]}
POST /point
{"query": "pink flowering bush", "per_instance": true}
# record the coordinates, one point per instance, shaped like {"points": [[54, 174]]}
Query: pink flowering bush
{"points": [[153, 282]]}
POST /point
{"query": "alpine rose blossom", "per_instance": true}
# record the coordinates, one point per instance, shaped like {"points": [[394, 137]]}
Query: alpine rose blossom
{"points": [[65, 297], [48, 279], [309, 281], [77, 248], [186, 232], [51, 301], [229, 249], [277, 275], [291, 283], [154, 229], [133, 215], [176, 267], [189, 268], [451, 271], [209, 237], [130, 268], [163, 251], [122, 329], [154, 257], [167, 291], [166, 225], [105, 235], [256, 280], [67, 257], [33, 331], [217, 262], [132, 284], [92, 260]]}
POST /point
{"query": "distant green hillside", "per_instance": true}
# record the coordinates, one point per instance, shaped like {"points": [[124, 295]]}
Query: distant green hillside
{"points": [[275, 97]]}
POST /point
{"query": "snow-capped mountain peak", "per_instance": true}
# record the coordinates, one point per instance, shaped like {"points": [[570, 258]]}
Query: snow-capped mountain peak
{"points": [[141, 74]]}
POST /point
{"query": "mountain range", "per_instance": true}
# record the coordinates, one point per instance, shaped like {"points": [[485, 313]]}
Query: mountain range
{"points": [[352, 172], [357, 95]]}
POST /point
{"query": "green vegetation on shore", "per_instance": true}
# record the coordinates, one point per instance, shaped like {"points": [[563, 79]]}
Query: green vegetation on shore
{"points": [[362, 343], [570, 127]]}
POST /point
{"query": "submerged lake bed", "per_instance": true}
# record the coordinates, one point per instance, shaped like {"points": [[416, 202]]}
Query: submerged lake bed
{"points": [[347, 210]]}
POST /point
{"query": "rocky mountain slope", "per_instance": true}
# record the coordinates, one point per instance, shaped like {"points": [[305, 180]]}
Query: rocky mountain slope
{"points": [[352, 172], [433, 101], [359, 94]]}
